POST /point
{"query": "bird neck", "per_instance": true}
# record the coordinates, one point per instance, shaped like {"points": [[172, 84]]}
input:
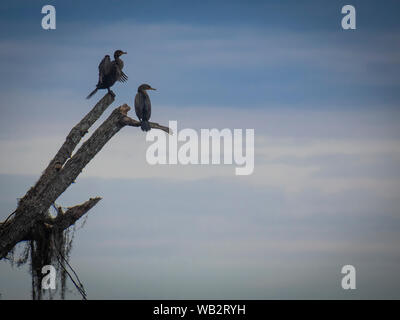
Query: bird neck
{"points": [[118, 60]]}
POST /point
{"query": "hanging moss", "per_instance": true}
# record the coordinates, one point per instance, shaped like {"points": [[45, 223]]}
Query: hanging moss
{"points": [[49, 246]]}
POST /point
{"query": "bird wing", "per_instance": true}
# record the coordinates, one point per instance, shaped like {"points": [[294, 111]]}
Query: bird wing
{"points": [[147, 108], [139, 105], [104, 67], [123, 77]]}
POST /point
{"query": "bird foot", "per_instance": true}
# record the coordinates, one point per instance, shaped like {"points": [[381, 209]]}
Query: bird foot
{"points": [[112, 93]]}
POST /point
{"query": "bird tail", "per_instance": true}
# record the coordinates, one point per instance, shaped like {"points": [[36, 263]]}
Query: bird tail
{"points": [[91, 94], [145, 125]]}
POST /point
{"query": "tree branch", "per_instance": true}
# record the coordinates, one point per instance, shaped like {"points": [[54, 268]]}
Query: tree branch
{"points": [[134, 123], [71, 141], [66, 219], [35, 204], [63, 220]]}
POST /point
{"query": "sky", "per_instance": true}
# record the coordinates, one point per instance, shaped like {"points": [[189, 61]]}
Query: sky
{"points": [[324, 104]]}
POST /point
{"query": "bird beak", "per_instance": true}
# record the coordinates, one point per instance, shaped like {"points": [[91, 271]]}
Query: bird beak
{"points": [[124, 52], [152, 89]]}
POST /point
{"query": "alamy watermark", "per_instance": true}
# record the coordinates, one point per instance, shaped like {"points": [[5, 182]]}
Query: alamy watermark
{"points": [[49, 278], [203, 148], [49, 20], [349, 20], [349, 280]]}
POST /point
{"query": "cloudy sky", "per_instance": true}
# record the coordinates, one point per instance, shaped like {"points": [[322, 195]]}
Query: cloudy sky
{"points": [[324, 104]]}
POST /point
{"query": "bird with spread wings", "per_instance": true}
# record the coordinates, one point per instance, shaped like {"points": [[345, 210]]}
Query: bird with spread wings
{"points": [[110, 72]]}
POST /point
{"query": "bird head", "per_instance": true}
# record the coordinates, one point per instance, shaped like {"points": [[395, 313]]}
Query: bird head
{"points": [[145, 87], [119, 53]]}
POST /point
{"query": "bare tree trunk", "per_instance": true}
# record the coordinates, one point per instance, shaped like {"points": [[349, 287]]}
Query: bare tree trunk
{"points": [[63, 169]]}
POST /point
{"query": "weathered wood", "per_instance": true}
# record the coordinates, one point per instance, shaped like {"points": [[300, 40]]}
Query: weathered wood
{"points": [[33, 207], [134, 123], [71, 141], [63, 220], [66, 219]]}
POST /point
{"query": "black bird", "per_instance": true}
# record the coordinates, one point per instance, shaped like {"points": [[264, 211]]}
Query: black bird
{"points": [[143, 106], [110, 72]]}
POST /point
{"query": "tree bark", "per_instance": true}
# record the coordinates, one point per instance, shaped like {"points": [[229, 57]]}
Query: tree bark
{"points": [[61, 172], [66, 219]]}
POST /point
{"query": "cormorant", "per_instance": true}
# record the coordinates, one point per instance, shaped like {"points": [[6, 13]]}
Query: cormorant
{"points": [[110, 72], [143, 106]]}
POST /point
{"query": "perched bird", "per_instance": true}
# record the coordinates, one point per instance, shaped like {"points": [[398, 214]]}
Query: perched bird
{"points": [[143, 106], [110, 72]]}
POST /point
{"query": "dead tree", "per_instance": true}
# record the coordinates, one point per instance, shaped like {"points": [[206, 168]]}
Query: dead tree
{"points": [[31, 219]]}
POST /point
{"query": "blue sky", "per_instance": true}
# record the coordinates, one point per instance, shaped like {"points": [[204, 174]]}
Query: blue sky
{"points": [[232, 52], [324, 104]]}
